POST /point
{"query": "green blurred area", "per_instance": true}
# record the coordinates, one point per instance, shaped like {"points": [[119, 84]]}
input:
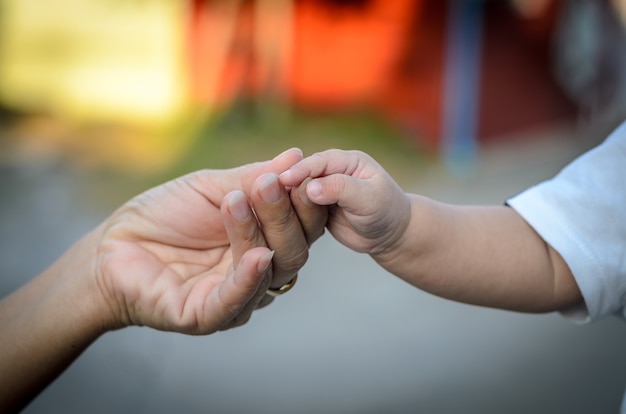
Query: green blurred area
{"points": [[100, 86], [246, 132], [253, 131]]}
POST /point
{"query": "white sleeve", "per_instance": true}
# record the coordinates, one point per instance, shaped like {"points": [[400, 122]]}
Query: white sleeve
{"points": [[581, 213]]}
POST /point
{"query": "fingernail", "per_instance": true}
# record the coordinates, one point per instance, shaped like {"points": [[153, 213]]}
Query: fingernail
{"points": [[238, 206], [285, 175], [302, 192], [290, 149], [270, 190], [265, 261], [314, 188]]}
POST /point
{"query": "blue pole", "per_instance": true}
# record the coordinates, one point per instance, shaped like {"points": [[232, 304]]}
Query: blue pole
{"points": [[461, 85]]}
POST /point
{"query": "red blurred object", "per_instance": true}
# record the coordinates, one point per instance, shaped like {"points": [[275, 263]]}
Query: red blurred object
{"points": [[378, 53], [342, 53], [518, 91], [346, 55]]}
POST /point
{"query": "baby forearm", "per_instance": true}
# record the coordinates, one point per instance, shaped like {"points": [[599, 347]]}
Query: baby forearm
{"points": [[483, 255]]}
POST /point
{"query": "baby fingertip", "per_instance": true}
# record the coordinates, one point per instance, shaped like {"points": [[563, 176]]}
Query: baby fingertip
{"points": [[314, 189]]}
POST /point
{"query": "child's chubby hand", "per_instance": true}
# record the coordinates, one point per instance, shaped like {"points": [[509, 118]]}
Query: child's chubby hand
{"points": [[369, 212]]}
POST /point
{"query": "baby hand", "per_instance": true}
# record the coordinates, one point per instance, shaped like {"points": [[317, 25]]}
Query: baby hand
{"points": [[369, 212]]}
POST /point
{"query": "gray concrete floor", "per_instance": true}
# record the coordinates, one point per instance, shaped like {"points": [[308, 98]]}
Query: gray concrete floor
{"points": [[349, 339]]}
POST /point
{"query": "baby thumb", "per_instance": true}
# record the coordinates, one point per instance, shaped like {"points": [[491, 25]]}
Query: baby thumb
{"points": [[343, 190]]}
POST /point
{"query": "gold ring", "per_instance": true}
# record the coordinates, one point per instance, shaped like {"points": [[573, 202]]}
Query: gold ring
{"points": [[283, 289]]}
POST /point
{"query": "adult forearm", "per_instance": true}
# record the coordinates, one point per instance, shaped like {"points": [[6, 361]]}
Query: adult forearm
{"points": [[46, 324], [483, 255]]}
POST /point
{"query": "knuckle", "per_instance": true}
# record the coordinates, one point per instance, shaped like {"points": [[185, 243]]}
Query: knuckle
{"points": [[316, 235], [285, 220], [295, 261], [335, 184]]}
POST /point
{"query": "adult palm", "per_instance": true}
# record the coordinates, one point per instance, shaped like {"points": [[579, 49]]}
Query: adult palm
{"points": [[165, 259]]}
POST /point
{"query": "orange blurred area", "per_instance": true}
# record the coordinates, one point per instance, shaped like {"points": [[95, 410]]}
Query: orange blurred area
{"points": [[348, 56], [149, 76]]}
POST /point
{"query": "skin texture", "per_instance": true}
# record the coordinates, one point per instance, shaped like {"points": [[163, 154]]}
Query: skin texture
{"points": [[194, 255], [482, 255]]}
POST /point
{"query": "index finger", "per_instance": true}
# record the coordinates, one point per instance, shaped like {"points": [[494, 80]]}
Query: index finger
{"points": [[312, 216], [215, 184], [279, 164], [281, 228], [321, 164]]}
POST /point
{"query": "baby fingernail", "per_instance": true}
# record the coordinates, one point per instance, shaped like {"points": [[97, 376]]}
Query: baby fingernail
{"points": [[314, 188], [238, 206], [270, 189]]}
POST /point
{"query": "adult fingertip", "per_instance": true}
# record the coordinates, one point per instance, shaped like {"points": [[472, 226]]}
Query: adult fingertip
{"points": [[286, 177], [294, 149], [299, 151], [252, 267], [238, 206], [265, 261], [304, 198]]}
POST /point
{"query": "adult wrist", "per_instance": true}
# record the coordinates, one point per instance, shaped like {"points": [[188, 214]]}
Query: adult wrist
{"points": [[79, 270]]}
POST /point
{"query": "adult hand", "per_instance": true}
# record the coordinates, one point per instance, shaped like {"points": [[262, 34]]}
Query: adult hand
{"points": [[189, 256], [193, 255]]}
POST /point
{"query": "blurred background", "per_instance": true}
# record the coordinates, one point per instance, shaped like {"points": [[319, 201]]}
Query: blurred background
{"points": [[463, 101]]}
